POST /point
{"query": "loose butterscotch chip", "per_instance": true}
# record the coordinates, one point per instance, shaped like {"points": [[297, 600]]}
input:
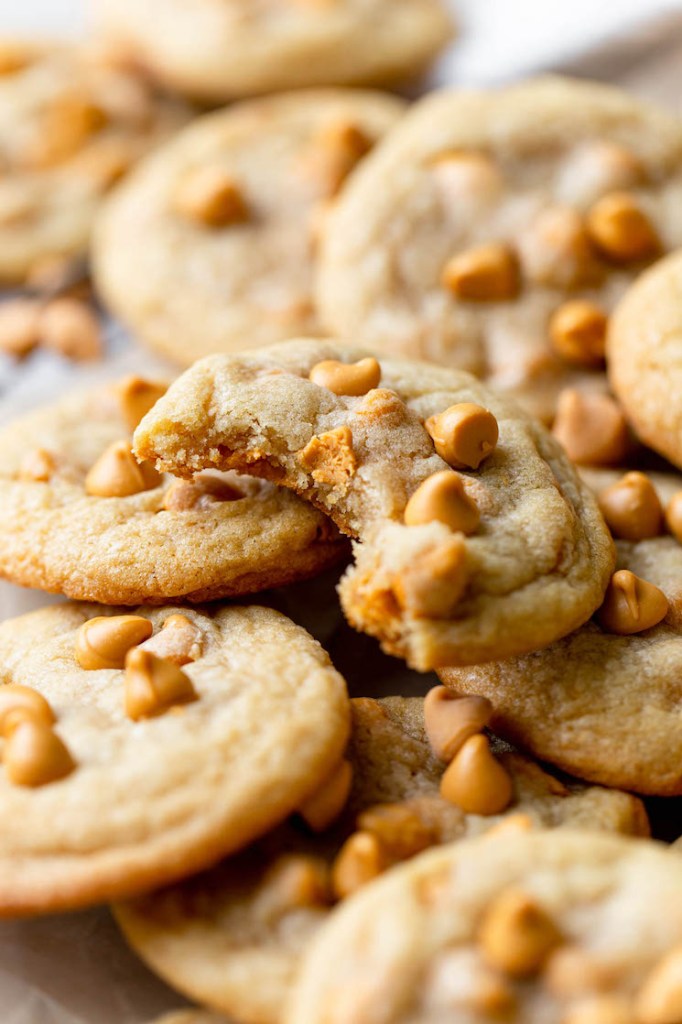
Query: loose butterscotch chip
{"points": [[326, 803], [351, 379], [71, 328], [336, 150], [398, 827], [19, 703], [137, 396], [673, 516], [449, 720], [154, 685], [179, 640], [211, 197], [591, 428], [103, 642], [517, 935], [621, 229], [34, 755], [293, 881], [660, 999], [37, 466], [464, 434], [433, 585], [475, 780], [329, 457], [606, 1009], [360, 859], [631, 604], [442, 498], [578, 332], [19, 327], [631, 508], [117, 474], [486, 273]]}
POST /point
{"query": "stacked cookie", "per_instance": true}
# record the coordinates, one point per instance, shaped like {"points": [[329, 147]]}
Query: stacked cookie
{"points": [[392, 309]]}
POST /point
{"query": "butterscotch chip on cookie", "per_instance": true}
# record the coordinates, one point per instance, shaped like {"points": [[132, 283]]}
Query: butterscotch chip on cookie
{"points": [[80, 516], [234, 50], [233, 938], [453, 566], [644, 359], [495, 231], [71, 124], [604, 702], [210, 246], [225, 748], [534, 927]]}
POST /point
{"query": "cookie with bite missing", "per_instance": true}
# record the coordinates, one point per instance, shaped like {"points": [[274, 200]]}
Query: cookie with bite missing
{"points": [[233, 938], [71, 125], [558, 927], [153, 743], [495, 231], [80, 517], [210, 246]]}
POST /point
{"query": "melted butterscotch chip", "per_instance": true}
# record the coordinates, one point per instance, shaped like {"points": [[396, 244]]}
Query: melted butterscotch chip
{"points": [[347, 378], [329, 457], [137, 396], [179, 640], [117, 474], [434, 584], [517, 935], [211, 197]]}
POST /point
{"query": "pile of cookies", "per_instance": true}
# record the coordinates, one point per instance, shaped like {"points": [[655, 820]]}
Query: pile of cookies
{"points": [[432, 353]]}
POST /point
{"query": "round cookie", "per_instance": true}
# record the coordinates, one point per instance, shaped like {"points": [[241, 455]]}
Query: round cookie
{"points": [[157, 791], [220, 537], [645, 357], [70, 125], [535, 566], [210, 245], [228, 49], [541, 928], [233, 938], [489, 223], [602, 706]]}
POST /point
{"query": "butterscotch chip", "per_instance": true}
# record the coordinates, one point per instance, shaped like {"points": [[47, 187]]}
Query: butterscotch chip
{"points": [[154, 685], [293, 881], [179, 640], [104, 162], [103, 642], [464, 435], [326, 803], [572, 971], [398, 827], [347, 378], [511, 824], [137, 396], [38, 466], [72, 329], [591, 428], [19, 703], [578, 332], [465, 176], [34, 755], [555, 249], [442, 498], [67, 275], [660, 999], [117, 474], [202, 492], [360, 859], [631, 508], [210, 196], [338, 147], [673, 516], [517, 935], [330, 458], [433, 586], [13, 57], [486, 273], [631, 604], [19, 327], [450, 721], [621, 229], [67, 122], [475, 780]]}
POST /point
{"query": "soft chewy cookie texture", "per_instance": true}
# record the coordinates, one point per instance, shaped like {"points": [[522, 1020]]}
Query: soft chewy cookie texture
{"points": [[71, 124], [495, 231], [210, 246], [233, 938], [219, 724], [603, 706], [533, 568], [79, 517], [645, 357], [230, 49], [543, 928]]}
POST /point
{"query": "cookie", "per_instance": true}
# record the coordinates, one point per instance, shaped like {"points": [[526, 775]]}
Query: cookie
{"points": [[218, 727], [233, 937], [210, 246], [547, 928], [191, 1017], [230, 50], [600, 705], [80, 517], [71, 125], [644, 358], [505, 556], [494, 231]]}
